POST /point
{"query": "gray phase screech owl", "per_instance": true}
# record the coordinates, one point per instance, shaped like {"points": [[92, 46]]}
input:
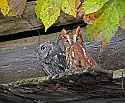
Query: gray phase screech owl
{"points": [[51, 58]]}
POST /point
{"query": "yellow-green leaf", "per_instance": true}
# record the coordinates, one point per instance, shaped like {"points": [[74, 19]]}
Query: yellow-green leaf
{"points": [[107, 24], [68, 6], [120, 5], [48, 11], [4, 7], [91, 6]]}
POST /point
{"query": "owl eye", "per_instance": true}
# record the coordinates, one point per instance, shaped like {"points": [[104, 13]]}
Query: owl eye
{"points": [[67, 41], [43, 47]]}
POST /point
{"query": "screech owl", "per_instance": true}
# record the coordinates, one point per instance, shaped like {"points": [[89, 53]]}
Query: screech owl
{"points": [[51, 57]]}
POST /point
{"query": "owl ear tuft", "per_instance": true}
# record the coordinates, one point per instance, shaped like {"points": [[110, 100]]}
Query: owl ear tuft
{"points": [[78, 30], [64, 31]]}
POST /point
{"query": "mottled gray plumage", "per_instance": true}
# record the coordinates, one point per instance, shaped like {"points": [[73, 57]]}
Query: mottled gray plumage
{"points": [[51, 58]]}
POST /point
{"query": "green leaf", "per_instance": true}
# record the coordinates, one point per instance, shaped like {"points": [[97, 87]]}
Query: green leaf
{"points": [[120, 5], [68, 6], [91, 6], [48, 11], [107, 24], [121, 11], [4, 7]]}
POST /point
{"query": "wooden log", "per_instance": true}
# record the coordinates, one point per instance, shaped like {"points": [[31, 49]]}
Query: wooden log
{"points": [[76, 89], [18, 57], [18, 63], [28, 21]]}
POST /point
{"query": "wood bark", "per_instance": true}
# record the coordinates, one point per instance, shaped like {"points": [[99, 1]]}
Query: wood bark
{"points": [[18, 57]]}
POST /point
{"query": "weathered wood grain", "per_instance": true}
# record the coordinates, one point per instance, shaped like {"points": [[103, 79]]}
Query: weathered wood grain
{"points": [[18, 57], [28, 21], [18, 61], [77, 89]]}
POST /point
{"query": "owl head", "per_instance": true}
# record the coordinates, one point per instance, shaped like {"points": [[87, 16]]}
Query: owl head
{"points": [[70, 36], [44, 49]]}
